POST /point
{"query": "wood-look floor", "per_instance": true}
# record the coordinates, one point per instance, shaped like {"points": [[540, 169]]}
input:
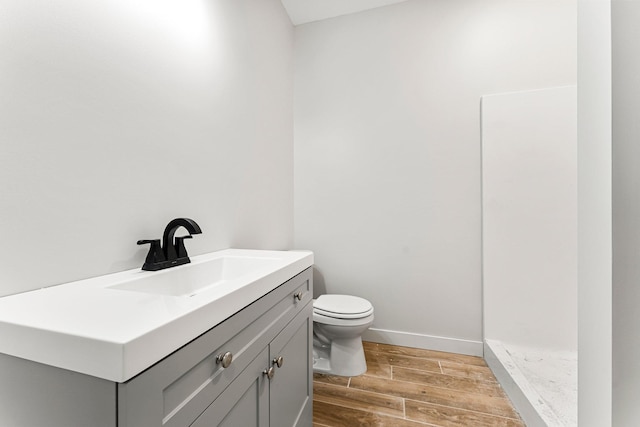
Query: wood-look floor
{"points": [[408, 387]]}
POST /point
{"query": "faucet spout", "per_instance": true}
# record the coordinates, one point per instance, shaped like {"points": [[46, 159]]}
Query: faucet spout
{"points": [[168, 244]]}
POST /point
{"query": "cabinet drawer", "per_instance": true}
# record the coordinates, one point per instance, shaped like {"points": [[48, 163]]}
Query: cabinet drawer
{"points": [[176, 390]]}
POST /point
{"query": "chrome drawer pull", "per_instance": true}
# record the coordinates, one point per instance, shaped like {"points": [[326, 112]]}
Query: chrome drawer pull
{"points": [[299, 295], [278, 361], [269, 372], [225, 359]]}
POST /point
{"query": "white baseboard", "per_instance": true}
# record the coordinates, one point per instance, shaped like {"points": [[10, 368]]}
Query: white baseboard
{"points": [[531, 407], [427, 342]]}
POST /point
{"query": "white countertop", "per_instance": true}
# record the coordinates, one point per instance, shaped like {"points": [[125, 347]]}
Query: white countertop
{"points": [[91, 328]]}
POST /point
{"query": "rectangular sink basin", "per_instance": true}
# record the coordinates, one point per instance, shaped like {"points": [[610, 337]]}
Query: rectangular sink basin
{"points": [[191, 279]]}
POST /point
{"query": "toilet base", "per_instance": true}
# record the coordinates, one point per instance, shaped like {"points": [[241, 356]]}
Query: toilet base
{"points": [[344, 357]]}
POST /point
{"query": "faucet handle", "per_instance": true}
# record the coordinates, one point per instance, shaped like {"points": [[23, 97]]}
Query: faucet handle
{"points": [[181, 250], [155, 254], [144, 242]]}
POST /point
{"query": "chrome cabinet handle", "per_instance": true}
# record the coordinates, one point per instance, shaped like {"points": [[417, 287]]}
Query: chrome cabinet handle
{"points": [[269, 372], [278, 361], [299, 295], [225, 359]]}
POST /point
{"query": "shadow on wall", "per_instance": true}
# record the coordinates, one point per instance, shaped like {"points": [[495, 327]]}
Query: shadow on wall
{"points": [[319, 286]]}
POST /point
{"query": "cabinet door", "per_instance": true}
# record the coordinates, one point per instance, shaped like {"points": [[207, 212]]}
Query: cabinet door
{"points": [[291, 387], [244, 403]]}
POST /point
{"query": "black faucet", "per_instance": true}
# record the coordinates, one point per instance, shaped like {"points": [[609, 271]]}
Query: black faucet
{"points": [[172, 252]]}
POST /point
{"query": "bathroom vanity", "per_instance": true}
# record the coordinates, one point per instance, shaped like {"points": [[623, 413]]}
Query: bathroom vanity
{"points": [[252, 365]]}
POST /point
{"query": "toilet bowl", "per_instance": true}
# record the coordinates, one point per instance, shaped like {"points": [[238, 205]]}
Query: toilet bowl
{"points": [[338, 324]]}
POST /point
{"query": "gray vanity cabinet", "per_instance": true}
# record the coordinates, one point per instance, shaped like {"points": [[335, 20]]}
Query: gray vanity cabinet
{"points": [[230, 375]]}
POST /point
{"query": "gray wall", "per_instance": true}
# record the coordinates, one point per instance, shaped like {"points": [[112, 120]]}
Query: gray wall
{"points": [[117, 116], [626, 212], [387, 150]]}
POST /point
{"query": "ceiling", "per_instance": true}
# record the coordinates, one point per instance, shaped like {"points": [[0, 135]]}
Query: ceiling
{"points": [[303, 11]]}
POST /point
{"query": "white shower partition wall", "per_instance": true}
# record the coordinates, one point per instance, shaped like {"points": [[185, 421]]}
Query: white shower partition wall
{"points": [[529, 179]]}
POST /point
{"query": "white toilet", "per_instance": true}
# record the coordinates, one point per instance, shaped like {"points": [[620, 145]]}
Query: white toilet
{"points": [[338, 324]]}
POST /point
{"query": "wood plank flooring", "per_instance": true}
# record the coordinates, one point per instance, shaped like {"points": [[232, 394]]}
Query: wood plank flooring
{"points": [[408, 387]]}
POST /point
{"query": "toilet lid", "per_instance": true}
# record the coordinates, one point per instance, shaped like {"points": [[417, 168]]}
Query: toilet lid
{"points": [[342, 306]]}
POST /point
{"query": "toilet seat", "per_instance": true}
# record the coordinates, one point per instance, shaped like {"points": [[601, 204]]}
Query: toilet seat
{"points": [[342, 306], [347, 323]]}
